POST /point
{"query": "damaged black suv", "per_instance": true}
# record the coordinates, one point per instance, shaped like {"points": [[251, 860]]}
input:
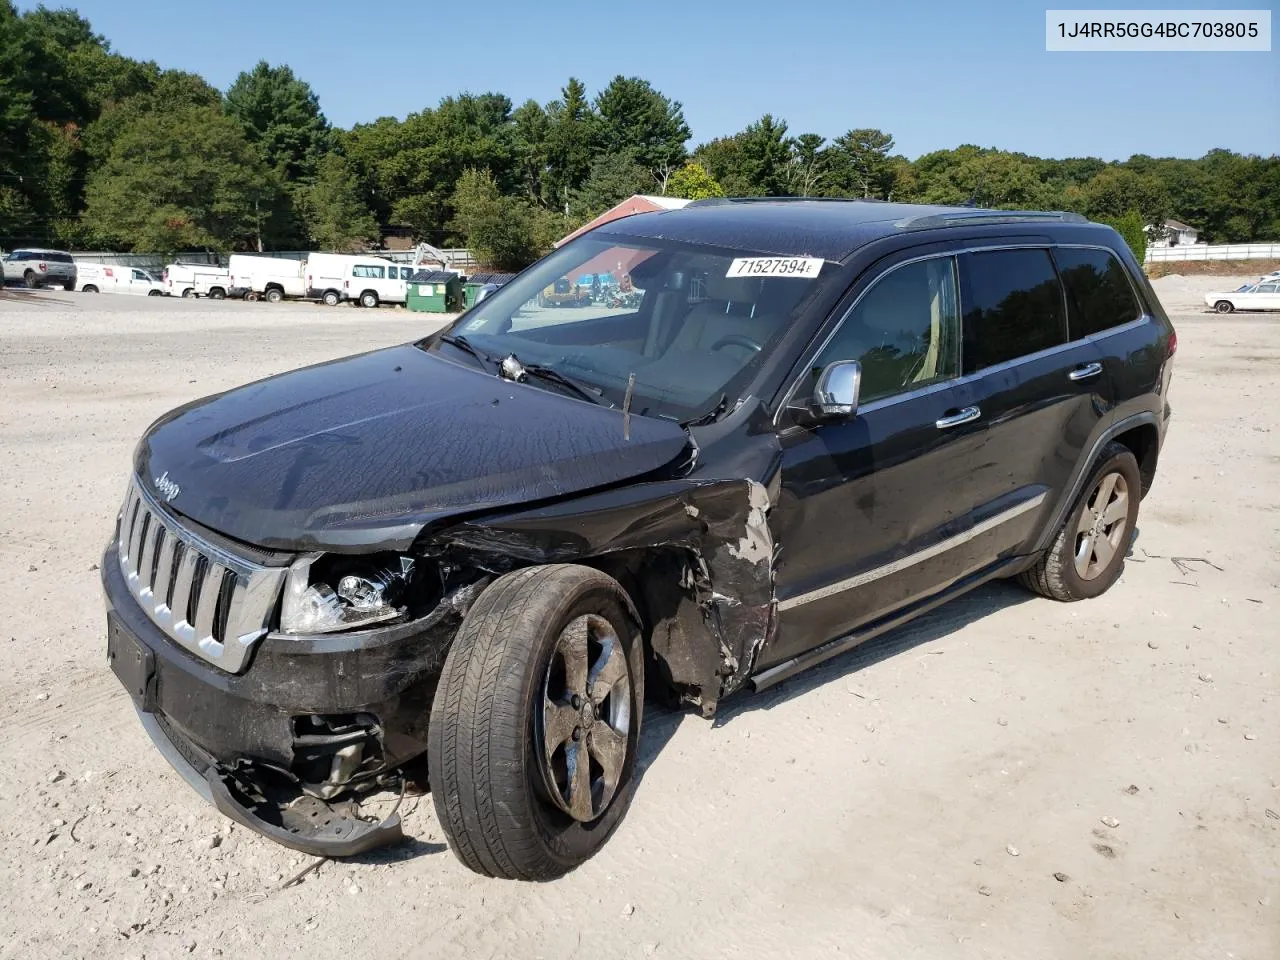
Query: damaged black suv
{"points": [[770, 431]]}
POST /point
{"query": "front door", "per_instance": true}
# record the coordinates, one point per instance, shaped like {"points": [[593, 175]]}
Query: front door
{"points": [[872, 509]]}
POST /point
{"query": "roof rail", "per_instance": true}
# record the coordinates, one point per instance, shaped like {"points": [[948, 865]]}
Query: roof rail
{"points": [[719, 201], [931, 220]]}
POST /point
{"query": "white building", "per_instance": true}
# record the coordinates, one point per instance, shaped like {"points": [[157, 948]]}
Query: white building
{"points": [[1177, 234]]}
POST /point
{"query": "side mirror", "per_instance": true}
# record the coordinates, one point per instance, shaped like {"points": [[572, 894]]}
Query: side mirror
{"points": [[835, 397]]}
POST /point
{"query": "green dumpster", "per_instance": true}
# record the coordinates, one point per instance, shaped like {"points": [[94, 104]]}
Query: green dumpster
{"points": [[434, 291], [472, 286]]}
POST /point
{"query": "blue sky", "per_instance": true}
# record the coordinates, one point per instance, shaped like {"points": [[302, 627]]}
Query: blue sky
{"points": [[934, 75]]}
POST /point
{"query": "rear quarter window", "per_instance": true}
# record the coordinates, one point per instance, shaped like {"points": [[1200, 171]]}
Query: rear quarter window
{"points": [[60, 258], [1099, 294], [1013, 306]]}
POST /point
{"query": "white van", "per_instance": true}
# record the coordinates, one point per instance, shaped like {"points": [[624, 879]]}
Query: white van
{"points": [[370, 281], [113, 278], [267, 278], [334, 277], [196, 280]]}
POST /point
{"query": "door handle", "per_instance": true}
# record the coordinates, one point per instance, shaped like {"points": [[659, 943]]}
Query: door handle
{"points": [[1085, 371], [966, 415]]}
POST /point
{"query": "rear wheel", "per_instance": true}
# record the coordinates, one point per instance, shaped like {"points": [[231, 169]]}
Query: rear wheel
{"points": [[368, 299], [188, 293], [154, 293], [217, 293], [331, 298], [31, 279], [69, 286], [534, 727], [88, 288], [1087, 555], [1224, 306], [274, 295]]}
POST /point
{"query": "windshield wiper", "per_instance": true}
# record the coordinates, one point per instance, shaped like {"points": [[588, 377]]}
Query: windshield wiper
{"points": [[466, 346], [555, 376], [712, 415]]}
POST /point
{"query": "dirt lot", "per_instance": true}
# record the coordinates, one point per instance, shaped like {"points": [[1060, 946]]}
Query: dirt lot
{"points": [[1008, 778]]}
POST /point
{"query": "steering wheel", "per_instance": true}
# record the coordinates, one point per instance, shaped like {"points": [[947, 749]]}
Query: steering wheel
{"points": [[736, 340]]}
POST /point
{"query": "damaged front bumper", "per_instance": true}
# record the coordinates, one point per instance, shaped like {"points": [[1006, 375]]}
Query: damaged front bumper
{"points": [[289, 746]]}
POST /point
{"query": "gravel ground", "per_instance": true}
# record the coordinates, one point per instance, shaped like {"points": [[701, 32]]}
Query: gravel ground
{"points": [[1008, 777]]}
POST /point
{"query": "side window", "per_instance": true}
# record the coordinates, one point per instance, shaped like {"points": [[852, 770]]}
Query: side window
{"points": [[1013, 306], [369, 273], [139, 275], [1268, 288], [904, 330], [1098, 290]]}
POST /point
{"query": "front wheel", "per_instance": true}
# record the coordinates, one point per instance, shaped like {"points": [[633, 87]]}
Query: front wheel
{"points": [[535, 723], [1224, 306], [1087, 555], [154, 293]]}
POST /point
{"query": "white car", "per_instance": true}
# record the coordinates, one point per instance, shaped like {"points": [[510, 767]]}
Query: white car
{"points": [[112, 278], [1250, 296]]}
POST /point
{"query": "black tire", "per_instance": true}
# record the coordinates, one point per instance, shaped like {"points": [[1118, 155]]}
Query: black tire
{"points": [[31, 280], [331, 298], [486, 777], [274, 295], [188, 293], [154, 293], [89, 288], [369, 299], [1224, 306], [69, 286], [217, 293], [1055, 574]]}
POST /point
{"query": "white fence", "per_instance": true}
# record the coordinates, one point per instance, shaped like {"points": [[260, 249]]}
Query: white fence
{"points": [[1223, 251]]}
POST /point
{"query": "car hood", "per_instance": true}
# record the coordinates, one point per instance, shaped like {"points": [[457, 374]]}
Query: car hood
{"points": [[362, 453]]}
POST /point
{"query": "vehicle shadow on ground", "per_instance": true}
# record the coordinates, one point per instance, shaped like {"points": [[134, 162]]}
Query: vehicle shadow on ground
{"points": [[410, 848], [935, 625]]}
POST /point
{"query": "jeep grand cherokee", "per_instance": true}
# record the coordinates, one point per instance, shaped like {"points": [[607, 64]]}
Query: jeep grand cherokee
{"points": [[472, 554]]}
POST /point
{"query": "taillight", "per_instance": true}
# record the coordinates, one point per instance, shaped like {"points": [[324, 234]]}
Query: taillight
{"points": [[1173, 343]]}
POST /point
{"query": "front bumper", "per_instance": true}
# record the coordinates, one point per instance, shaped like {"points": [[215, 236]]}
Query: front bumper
{"points": [[250, 742]]}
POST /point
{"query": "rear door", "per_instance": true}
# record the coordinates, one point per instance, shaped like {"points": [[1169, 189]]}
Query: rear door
{"points": [[1042, 395]]}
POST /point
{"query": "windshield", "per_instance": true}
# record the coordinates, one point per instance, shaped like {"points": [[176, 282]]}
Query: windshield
{"points": [[691, 323]]}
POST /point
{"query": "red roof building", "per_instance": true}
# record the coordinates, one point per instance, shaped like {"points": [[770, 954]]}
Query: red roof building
{"points": [[632, 205]]}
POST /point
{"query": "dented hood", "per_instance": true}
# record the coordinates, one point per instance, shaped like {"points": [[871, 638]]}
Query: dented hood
{"points": [[363, 452]]}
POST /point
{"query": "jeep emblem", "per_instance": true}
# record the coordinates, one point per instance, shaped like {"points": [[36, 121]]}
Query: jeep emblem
{"points": [[166, 487]]}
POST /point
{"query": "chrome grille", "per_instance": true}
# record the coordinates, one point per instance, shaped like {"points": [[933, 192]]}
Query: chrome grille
{"points": [[207, 600]]}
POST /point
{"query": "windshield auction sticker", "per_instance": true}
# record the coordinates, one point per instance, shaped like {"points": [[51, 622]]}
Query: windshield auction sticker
{"points": [[1115, 31], [803, 267]]}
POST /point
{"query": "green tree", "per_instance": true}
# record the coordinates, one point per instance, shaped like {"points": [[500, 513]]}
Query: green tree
{"points": [[281, 114], [613, 178], [1132, 227], [335, 214], [861, 164], [1116, 191], [692, 182], [181, 179], [809, 165], [990, 178], [502, 232], [632, 117], [530, 150], [570, 143], [753, 163]]}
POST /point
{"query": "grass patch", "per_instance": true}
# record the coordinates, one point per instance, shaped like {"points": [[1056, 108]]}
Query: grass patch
{"points": [[1211, 268]]}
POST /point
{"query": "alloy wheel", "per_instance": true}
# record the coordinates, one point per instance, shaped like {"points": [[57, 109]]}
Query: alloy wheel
{"points": [[1103, 525], [583, 729]]}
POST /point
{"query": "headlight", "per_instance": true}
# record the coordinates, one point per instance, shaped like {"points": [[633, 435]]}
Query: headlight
{"points": [[361, 596]]}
